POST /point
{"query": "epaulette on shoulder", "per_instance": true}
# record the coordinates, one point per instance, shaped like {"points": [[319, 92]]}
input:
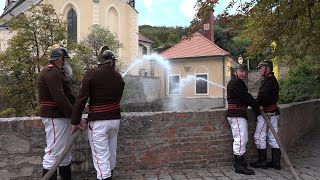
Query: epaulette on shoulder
{"points": [[50, 65]]}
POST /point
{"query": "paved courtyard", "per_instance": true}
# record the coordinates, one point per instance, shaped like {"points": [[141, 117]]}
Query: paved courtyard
{"points": [[305, 157]]}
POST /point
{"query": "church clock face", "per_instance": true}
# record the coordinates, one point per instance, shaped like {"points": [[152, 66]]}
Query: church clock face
{"points": [[206, 27]]}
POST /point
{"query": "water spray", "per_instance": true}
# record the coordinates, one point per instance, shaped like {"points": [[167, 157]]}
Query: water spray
{"points": [[152, 57], [211, 82], [132, 65]]}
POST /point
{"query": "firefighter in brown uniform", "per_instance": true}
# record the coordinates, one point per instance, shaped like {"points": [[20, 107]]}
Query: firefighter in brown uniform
{"points": [[268, 96], [103, 85], [56, 99], [238, 100]]}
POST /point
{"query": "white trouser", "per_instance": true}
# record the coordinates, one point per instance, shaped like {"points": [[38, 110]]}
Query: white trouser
{"points": [[239, 127], [103, 141], [58, 133], [260, 135]]}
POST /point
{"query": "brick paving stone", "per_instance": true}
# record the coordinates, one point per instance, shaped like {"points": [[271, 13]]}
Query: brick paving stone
{"points": [[214, 169], [259, 173], [308, 177], [204, 173], [178, 177], [209, 178], [310, 172], [223, 178], [151, 178], [190, 173], [165, 178], [265, 178], [217, 174]]}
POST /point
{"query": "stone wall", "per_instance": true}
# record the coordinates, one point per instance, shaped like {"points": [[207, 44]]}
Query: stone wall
{"points": [[253, 82], [141, 89], [192, 104], [149, 140]]}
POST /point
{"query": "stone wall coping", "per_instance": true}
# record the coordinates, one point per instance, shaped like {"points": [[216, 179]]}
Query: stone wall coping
{"points": [[150, 77], [297, 103], [19, 119], [144, 114]]}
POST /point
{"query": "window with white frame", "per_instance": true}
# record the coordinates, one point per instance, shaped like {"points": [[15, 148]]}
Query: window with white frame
{"points": [[201, 84], [173, 84]]}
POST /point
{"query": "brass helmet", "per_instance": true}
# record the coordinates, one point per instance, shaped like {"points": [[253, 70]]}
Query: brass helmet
{"points": [[58, 52], [105, 55], [242, 67], [266, 63]]}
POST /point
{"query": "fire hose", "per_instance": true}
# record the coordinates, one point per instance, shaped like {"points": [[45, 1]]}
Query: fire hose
{"points": [[62, 156], [285, 155]]}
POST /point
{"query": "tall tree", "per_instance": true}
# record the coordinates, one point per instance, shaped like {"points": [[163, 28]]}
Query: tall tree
{"points": [[87, 50], [163, 36], [36, 31], [293, 26]]}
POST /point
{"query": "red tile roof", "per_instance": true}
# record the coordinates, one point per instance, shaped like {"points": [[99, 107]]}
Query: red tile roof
{"points": [[196, 46], [142, 38]]}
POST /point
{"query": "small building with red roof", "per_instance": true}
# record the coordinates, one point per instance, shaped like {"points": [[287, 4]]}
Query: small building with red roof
{"points": [[199, 69]]}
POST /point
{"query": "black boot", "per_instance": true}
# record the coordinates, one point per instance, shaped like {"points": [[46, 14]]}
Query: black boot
{"points": [[241, 166], [53, 177], [65, 172], [262, 159], [276, 157]]}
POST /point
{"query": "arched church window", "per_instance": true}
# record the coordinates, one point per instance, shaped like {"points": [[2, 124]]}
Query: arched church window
{"points": [[144, 50], [72, 25]]}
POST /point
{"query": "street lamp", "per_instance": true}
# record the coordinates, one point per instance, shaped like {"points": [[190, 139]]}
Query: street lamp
{"points": [[240, 60]]}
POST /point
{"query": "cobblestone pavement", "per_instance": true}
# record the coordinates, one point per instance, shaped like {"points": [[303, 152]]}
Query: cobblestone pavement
{"points": [[305, 157]]}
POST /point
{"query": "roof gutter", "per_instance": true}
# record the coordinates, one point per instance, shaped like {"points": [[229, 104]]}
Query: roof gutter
{"points": [[198, 58]]}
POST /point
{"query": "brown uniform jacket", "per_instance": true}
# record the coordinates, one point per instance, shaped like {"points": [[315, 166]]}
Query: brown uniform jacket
{"points": [[104, 86], [268, 94], [239, 99], [56, 95]]}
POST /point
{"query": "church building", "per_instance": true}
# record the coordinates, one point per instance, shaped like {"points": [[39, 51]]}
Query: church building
{"points": [[120, 16]]}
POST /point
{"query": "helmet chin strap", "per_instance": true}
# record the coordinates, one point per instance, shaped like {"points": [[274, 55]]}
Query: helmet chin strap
{"points": [[236, 73], [265, 72]]}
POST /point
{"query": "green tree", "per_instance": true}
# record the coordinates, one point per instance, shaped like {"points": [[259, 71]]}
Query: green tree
{"points": [[302, 82], [163, 36], [36, 31], [87, 50], [292, 25]]}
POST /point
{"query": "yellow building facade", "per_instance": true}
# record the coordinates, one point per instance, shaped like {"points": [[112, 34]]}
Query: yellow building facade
{"points": [[119, 16]]}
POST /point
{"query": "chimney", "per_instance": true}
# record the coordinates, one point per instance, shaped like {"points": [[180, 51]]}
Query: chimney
{"points": [[208, 26]]}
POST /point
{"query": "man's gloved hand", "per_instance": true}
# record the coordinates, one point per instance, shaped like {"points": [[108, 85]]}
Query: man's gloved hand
{"points": [[82, 126]]}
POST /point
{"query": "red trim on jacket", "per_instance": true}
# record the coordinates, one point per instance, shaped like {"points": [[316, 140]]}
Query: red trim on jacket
{"points": [[104, 107], [48, 103], [235, 106], [270, 108]]}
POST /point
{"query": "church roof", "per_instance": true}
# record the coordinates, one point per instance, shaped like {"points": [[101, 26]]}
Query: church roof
{"points": [[10, 7], [142, 38], [195, 46]]}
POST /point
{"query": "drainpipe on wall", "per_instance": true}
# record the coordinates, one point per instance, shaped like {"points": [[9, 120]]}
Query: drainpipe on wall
{"points": [[224, 81], [165, 81]]}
